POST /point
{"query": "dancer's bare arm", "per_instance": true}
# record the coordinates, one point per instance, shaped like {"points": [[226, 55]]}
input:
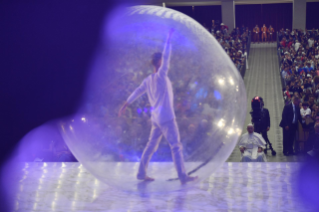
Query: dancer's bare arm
{"points": [[140, 90], [163, 70]]}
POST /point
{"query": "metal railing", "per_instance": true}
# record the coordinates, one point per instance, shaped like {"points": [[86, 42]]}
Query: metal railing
{"points": [[248, 44], [283, 82], [243, 69]]}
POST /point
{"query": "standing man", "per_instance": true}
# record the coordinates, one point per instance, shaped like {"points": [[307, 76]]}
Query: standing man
{"points": [[264, 33], [213, 31], [289, 123], [160, 95], [265, 125], [224, 29], [256, 33], [271, 31]]}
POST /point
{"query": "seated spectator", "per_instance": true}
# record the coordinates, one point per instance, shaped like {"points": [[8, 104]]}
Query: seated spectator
{"points": [[286, 75], [294, 87], [308, 69], [298, 61], [288, 61], [289, 42], [314, 112], [299, 88], [303, 128], [308, 83], [287, 33], [306, 94], [301, 70], [311, 101], [316, 93], [311, 42], [238, 65], [224, 29], [251, 145], [297, 45], [280, 34], [283, 42], [214, 27], [287, 94], [305, 111]]}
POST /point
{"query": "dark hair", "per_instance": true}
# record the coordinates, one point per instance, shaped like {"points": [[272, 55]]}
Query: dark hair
{"points": [[296, 99], [156, 57], [305, 104]]}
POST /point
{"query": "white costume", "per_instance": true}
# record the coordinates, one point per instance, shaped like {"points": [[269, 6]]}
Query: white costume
{"points": [[297, 45], [304, 112], [310, 42], [251, 142], [160, 95]]}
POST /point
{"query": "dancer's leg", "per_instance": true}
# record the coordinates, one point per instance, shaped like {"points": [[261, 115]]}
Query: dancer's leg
{"points": [[171, 133], [151, 147]]}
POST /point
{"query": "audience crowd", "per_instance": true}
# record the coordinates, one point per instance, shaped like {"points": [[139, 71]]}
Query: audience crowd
{"points": [[299, 61], [127, 136], [235, 43]]}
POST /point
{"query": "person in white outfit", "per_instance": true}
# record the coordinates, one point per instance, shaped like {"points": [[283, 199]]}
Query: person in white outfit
{"points": [[305, 111], [160, 95], [311, 42], [297, 45], [251, 145]]}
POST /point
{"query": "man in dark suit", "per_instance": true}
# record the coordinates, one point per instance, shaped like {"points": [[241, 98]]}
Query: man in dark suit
{"points": [[266, 123], [289, 123], [266, 126]]}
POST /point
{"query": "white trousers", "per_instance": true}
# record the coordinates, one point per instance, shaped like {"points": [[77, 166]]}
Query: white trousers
{"points": [[170, 131], [247, 157]]}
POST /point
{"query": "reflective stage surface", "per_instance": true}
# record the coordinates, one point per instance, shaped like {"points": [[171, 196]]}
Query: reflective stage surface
{"points": [[234, 187]]}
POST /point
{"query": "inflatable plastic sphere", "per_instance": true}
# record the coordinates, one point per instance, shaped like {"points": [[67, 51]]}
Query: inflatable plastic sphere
{"points": [[209, 102]]}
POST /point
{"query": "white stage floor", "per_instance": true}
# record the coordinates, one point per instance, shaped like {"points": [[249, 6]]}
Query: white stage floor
{"points": [[234, 187]]}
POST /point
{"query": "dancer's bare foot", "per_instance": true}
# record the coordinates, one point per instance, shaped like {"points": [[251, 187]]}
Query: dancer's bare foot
{"points": [[189, 179], [146, 178]]}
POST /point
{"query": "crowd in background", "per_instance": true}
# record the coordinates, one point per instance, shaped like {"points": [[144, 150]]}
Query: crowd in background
{"points": [[234, 42], [129, 134], [299, 61]]}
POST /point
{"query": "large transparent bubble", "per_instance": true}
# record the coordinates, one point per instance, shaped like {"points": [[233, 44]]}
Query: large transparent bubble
{"points": [[209, 101]]}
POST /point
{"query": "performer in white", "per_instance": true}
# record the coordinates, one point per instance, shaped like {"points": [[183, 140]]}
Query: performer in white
{"points": [[251, 145], [160, 95]]}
